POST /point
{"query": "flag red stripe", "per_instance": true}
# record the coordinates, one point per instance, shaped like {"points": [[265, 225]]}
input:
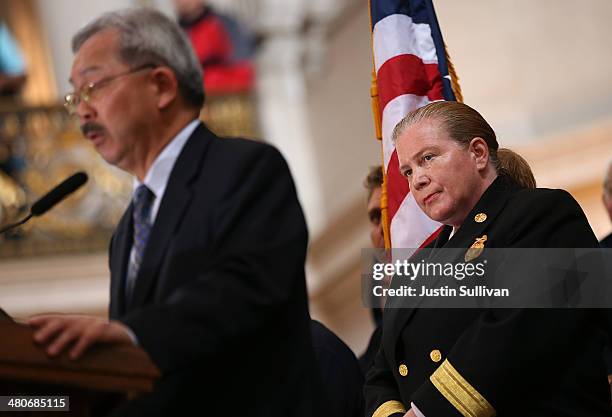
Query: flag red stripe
{"points": [[397, 186], [407, 74]]}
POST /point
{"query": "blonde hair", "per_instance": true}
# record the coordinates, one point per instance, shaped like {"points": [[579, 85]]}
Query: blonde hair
{"points": [[463, 123], [516, 167]]}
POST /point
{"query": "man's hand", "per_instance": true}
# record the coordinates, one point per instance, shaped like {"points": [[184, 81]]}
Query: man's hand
{"points": [[58, 332], [410, 413]]}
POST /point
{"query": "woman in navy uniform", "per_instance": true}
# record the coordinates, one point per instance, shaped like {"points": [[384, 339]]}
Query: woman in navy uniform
{"points": [[485, 362]]}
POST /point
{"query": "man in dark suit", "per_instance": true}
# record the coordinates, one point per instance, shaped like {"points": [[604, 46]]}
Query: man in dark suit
{"points": [[341, 377], [207, 263], [606, 242], [373, 184]]}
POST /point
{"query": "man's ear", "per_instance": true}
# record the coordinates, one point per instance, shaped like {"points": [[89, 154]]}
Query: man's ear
{"points": [[480, 152], [166, 86]]}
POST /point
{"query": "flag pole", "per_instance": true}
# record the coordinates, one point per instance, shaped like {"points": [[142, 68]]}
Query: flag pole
{"points": [[378, 132]]}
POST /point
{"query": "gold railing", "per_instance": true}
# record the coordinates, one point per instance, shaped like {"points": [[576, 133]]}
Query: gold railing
{"points": [[44, 145]]}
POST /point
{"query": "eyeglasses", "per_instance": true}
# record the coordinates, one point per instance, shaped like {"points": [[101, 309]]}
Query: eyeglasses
{"points": [[72, 100]]}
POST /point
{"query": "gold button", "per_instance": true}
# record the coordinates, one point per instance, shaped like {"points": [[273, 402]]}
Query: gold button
{"points": [[435, 355], [480, 217], [403, 370]]}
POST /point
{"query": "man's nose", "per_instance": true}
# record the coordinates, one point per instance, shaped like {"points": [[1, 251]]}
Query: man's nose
{"points": [[85, 111]]}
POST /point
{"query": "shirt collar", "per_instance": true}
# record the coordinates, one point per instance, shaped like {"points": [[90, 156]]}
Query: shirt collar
{"points": [[157, 176]]}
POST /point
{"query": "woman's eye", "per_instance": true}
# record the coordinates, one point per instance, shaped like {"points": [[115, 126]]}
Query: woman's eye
{"points": [[407, 173], [428, 157]]}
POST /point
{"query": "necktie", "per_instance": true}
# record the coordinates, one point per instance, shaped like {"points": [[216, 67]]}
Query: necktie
{"points": [[142, 203]]}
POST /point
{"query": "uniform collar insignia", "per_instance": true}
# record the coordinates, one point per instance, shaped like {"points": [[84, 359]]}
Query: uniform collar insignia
{"points": [[476, 249]]}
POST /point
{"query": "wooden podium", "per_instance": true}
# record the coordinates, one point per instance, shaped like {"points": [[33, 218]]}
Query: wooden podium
{"points": [[96, 383]]}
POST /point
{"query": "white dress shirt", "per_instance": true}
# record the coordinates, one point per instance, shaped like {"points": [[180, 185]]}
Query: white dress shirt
{"points": [[159, 173], [157, 177]]}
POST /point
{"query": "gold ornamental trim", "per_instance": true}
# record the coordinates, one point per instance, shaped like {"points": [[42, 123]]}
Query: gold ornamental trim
{"points": [[388, 408], [460, 393]]}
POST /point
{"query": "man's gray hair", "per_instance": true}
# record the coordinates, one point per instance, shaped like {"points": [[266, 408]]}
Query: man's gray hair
{"points": [[147, 36]]}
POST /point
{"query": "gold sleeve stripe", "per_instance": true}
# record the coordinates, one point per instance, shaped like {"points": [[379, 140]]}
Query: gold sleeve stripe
{"points": [[388, 408], [460, 393]]}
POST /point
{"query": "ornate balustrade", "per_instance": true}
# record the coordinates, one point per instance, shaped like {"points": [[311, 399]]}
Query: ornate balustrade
{"points": [[40, 146]]}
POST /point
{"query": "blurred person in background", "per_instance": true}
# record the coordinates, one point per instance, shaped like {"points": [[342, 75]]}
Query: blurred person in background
{"points": [[606, 242], [12, 65], [373, 184], [12, 79], [224, 47]]}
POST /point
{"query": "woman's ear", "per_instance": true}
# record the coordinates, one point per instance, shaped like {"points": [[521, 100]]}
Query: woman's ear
{"points": [[480, 152]]}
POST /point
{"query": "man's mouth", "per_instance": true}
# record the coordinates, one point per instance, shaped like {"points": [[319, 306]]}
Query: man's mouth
{"points": [[92, 131], [431, 197]]}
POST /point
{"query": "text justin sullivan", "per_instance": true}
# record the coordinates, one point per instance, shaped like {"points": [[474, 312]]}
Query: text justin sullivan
{"points": [[445, 291]]}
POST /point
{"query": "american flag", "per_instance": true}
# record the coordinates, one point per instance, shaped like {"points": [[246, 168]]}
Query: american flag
{"points": [[411, 69]]}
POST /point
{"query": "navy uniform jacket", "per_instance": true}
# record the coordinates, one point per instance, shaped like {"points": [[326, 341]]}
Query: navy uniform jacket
{"points": [[504, 362], [220, 299]]}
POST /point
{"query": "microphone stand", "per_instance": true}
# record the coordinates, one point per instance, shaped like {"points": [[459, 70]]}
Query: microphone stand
{"points": [[57, 194], [12, 225]]}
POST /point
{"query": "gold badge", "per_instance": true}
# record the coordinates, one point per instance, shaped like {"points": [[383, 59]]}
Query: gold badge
{"points": [[435, 355], [403, 370], [476, 249], [480, 217]]}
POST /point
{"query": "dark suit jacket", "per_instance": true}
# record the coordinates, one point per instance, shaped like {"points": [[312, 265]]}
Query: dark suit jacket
{"points": [[606, 242], [504, 362], [220, 300], [366, 360], [341, 377]]}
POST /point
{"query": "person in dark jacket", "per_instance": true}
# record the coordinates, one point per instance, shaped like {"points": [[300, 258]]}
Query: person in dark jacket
{"points": [[207, 262], [373, 184], [482, 362], [341, 377], [606, 197]]}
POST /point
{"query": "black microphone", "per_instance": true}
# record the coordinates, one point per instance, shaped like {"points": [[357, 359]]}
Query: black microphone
{"points": [[65, 188], [57, 194]]}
